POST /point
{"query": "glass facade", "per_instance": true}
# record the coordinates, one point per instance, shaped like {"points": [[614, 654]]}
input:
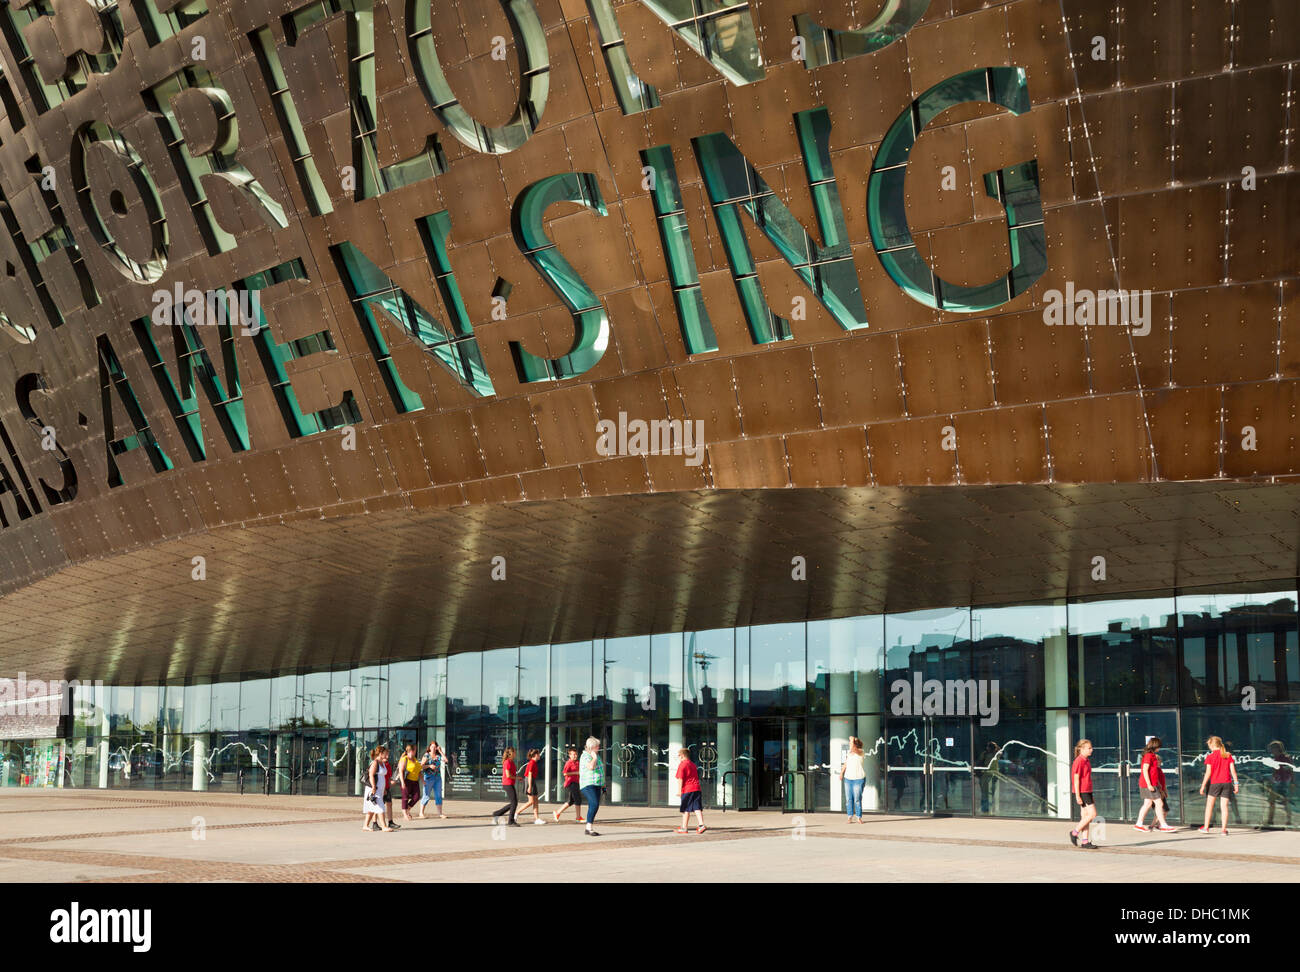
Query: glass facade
{"points": [[961, 710]]}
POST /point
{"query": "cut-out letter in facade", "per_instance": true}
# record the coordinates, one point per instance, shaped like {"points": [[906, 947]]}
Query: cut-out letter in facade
{"points": [[826, 45], [591, 324], [534, 71], [735, 187], [1015, 187]]}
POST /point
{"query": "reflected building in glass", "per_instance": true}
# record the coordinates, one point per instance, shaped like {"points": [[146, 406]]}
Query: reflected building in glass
{"points": [[962, 711]]}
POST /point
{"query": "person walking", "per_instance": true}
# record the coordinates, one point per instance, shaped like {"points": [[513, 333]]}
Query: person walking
{"points": [[572, 793], [532, 788], [408, 771], [1283, 774], [372, 801], [431, 776], [1154, 791], [853, 771], [1081, 777], [1221, 778], [692, 798], [508, 785], [591, 777], [386, 789]]}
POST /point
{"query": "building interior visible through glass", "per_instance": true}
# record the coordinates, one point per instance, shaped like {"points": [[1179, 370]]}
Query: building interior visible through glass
{"points": [[962, 711]]}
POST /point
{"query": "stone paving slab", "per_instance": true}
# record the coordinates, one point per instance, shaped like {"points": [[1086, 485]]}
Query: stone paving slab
{"points": [[149, 836], [833, 859], [59, 872]]}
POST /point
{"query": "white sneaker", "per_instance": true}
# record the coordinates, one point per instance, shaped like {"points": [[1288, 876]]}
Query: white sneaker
{"points": [[539, 820]]}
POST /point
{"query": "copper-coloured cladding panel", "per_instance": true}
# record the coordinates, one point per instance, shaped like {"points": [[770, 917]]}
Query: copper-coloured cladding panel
{"points": [[386, 383]]}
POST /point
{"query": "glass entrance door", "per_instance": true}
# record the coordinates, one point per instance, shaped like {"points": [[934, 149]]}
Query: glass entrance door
{"points": [[1118, 740], [781, 776], [929, 765]]}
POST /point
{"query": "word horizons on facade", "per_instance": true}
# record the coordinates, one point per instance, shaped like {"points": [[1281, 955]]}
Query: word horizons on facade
{"points": [[95, 239]]}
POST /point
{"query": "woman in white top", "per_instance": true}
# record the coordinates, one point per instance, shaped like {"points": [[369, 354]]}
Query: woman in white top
{"points": [[854, 773]]}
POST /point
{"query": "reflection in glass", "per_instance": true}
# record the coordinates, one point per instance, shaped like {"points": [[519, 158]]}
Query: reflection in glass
{"points": [[1122, 652]]}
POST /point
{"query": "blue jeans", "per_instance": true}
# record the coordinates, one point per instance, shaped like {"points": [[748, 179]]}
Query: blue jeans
{"points": [[853, 797], [592, 793], [433, 788]]}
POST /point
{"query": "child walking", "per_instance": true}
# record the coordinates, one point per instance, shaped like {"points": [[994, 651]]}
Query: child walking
{"points": [[511, 809], [1221, 778], [1154, 792], [532, 789], [692, 799], [1081, 775], [572, 794]]}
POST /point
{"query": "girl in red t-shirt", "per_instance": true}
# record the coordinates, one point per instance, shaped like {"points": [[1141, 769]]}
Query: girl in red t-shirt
{"points": [[1081, 786], [572, 794], [532, 787], [1221, 778], [1154, 792], [692, 798], [511, 809]]}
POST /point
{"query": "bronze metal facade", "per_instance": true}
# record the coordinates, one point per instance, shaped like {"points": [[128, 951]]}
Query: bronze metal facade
{"points": [[421, 362]]}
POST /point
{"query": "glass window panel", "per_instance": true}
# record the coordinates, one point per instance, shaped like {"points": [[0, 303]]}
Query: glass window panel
{"points": [[1122, 652], [777, 669], [404, 694], [934, 644], [571, 681], [710, 673], [666, 673], [372, 695], [1264, 742], [198, 708], [286, 703], [1231, 642], [845, 662], [173, 708], [225, 706], [500, 685], [148, 705], [255, 704], [534, 661], [1011, 646], [626, 678], [343, 699], [464, 691], [433, 673], [316, 699], [1012, 767]]}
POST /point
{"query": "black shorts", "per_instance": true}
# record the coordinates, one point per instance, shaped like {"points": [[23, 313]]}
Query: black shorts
{"points": [[692, 801], [573, 794], [1086, 799], [530, 787], [1219, 790]]}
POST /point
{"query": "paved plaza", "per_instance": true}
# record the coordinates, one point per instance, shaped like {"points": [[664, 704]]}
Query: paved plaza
{"points": [[96, 836]]}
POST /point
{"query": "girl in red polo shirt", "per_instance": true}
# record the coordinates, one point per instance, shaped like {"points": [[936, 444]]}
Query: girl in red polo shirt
{"points": [[572, 794], [532, 787], [508, 785], [1153, 788], [1081, 785], [1221, 778]]}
